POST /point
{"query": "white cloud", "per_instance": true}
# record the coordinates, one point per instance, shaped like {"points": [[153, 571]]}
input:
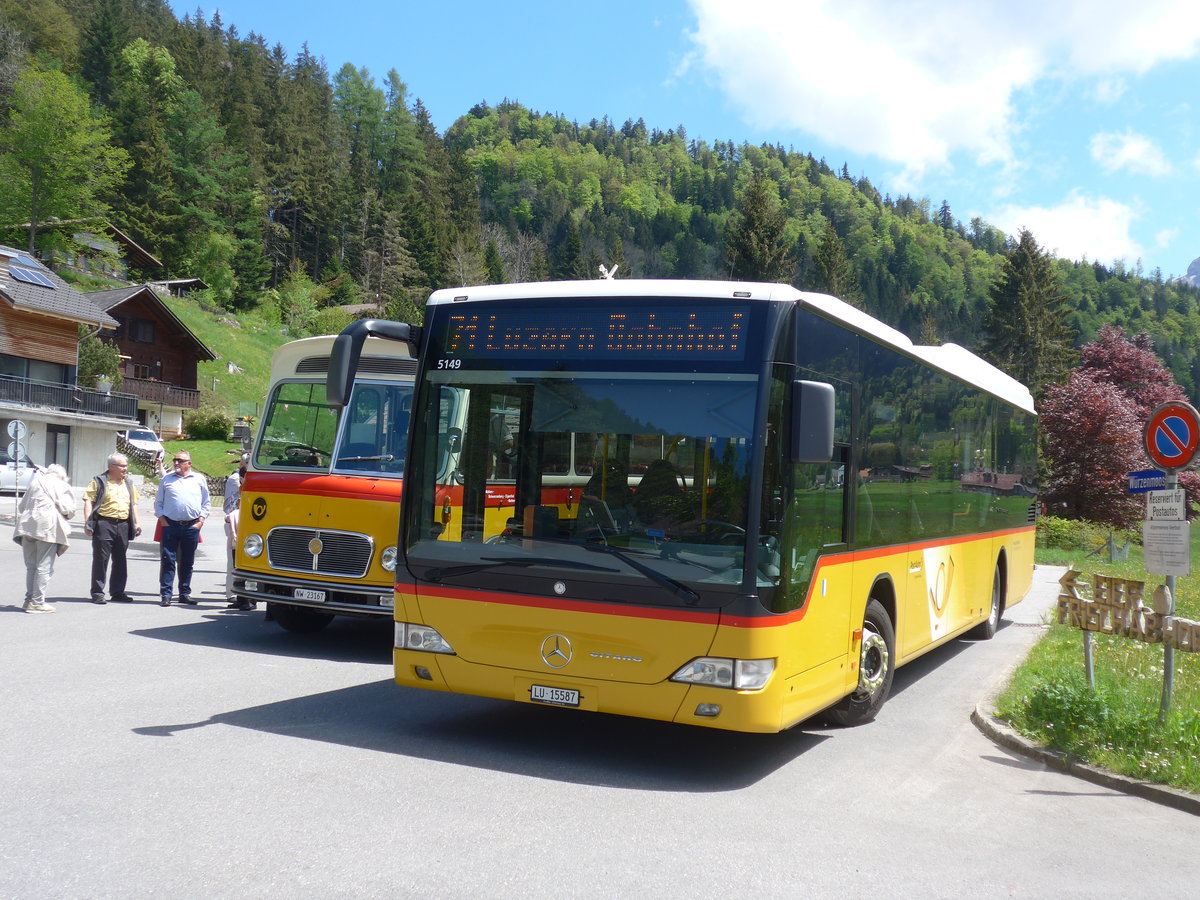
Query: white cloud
{"points": [[916, 81], [1109, 90], [1095, 227], [1164, 238], [1131, 151]]}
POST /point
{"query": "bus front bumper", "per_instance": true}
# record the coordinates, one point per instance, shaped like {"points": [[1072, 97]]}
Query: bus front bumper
{"points": [[327, 596], [666, 701]]}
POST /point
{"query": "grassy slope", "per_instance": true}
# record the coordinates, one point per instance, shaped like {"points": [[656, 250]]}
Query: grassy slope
{"points": [[248, 341]]}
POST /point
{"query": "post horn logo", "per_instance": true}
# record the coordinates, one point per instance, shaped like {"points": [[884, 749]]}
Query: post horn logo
{"points": [[258, 508]]}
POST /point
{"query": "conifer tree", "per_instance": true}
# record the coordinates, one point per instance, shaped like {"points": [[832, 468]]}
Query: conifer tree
{"points": [[493, 264], [146, 89], [832, 272], [756, 251], [1025, 328]]}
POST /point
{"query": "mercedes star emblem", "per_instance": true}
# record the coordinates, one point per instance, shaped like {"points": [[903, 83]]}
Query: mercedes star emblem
{"points": [[556, 651]]}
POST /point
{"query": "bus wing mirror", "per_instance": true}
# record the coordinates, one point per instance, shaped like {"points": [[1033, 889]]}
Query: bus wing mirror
{"points": [[812, 422], [347, 347]]}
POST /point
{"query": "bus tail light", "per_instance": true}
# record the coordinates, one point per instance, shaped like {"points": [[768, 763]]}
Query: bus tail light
{"points": [[410, 636], [738, 674]]}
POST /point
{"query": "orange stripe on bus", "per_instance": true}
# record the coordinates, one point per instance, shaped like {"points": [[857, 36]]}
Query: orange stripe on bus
{"points": [[767, 620], [354, 487]]}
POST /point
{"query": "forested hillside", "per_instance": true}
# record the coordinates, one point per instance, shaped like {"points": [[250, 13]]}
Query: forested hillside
{"points": [[281, 183]]}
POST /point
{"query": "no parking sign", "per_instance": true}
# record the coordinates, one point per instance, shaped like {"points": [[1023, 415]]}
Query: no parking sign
{"points": [[1173, 435]]}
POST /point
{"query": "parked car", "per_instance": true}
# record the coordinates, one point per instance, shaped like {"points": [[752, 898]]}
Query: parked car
{"points": [[144, 439], [12, 480]]}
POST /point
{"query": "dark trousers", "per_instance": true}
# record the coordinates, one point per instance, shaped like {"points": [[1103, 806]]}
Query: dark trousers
{"points": [[110, 540], [178, 547]]}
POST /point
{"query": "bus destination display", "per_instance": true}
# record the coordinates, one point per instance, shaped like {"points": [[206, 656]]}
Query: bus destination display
{"points": [[713, 333]]}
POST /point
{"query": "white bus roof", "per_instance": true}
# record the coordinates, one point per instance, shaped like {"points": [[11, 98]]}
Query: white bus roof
{"points": [[950, 358], [288, 357]]}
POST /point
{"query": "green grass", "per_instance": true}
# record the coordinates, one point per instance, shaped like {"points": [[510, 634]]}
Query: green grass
{"points": [[210, 457], [1115, 724]]}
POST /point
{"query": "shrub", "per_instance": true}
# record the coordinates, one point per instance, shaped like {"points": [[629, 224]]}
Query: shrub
{"points": [[1077, 534], [208, 423], [331, 320]]}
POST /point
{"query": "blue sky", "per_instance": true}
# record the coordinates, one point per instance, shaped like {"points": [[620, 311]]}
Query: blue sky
{"points": [[1072, 118]]}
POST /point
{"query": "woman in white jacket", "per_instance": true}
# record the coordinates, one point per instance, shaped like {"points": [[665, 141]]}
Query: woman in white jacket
{"points": [[42, 532]]}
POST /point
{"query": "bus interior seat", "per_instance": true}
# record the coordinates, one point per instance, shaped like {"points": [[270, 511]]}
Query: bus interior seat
{"points": [[594, 518]]}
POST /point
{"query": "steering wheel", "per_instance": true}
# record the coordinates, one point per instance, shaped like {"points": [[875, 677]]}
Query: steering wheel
{"points": [[295, 451]]}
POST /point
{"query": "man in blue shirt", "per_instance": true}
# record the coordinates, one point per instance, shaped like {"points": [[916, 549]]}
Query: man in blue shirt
{"points": [[181, 505]]}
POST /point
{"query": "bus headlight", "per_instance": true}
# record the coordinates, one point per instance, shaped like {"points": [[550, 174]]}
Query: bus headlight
{"points": [[738, 674], [388, 559], [410, 636], [253, 546]]}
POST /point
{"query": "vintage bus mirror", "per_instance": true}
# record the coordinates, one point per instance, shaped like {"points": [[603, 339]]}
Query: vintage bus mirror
{"points": [[812, 422], [347, 347]]}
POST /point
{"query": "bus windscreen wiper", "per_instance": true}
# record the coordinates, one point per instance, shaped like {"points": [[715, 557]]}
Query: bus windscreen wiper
{"points": [[387, 457], [682, 591], [493, 562]]}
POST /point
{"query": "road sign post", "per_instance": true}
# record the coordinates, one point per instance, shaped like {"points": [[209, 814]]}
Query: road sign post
{"points": [[1171, 438]]}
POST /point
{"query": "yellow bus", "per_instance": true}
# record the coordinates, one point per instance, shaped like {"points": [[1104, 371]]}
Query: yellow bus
{"points": [[723, 504], [321, 499]]}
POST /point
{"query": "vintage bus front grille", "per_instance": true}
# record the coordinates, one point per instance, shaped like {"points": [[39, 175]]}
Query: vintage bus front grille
{"points": [[339, 552]]}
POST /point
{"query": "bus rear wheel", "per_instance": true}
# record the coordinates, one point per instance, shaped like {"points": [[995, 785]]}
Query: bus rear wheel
{"points": [[986, 629], [298, 619], [876, 666]]}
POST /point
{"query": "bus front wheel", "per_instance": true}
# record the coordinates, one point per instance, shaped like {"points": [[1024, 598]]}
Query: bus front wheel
{"points": [[876, 666], [298, 619]]}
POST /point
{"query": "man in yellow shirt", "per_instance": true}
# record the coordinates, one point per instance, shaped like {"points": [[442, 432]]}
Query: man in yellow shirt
{"points": [[110, 518]]}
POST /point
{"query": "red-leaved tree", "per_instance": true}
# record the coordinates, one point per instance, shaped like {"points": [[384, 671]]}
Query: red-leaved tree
{"points": [[1092, 429]]}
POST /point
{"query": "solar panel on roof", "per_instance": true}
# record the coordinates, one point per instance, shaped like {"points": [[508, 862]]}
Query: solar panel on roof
{"points": [[30, 276], [28, 261]]}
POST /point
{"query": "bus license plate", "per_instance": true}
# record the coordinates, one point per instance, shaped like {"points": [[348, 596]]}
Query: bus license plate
{"points": [[308, 594], [540, 693]]}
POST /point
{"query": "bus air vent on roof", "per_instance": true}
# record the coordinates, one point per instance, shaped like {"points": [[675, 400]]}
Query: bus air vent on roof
{"points": [[379, 365]]}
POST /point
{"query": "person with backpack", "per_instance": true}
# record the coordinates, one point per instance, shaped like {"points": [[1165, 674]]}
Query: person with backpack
{"points": [[110, 518]]}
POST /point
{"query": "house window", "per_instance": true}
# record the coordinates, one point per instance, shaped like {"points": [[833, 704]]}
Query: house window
{"points": [[140, 370], [141, 330], [52, 373], [13, 365]]}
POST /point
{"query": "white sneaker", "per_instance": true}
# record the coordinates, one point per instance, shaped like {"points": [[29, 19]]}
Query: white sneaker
{"points": [[39, 608]]}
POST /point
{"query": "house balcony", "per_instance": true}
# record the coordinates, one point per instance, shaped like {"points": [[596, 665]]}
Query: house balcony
{"points": [[150, 391], [69, 398]]}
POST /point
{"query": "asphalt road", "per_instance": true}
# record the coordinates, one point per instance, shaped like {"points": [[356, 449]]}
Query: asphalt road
{"points": [[199, 752]]}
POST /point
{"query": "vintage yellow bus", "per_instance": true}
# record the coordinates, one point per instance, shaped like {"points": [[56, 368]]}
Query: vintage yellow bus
{"points": [[321, 499], [722, 504]]}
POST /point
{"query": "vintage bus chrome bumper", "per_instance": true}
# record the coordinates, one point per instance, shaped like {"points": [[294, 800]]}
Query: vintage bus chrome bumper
{"points": [[332, 597]]}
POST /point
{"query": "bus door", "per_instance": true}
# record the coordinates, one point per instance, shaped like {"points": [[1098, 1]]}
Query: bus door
{"points": [[489, 459]]}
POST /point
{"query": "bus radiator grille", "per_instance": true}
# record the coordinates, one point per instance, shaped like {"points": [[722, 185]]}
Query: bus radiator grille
{"points": [[341, 552]]}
